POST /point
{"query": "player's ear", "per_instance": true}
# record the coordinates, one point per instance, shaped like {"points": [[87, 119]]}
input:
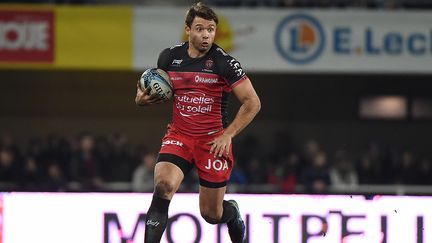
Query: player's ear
{"points": [[187, 29]]}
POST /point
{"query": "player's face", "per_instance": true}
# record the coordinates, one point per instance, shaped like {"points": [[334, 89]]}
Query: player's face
{"points": [[201, 35]]}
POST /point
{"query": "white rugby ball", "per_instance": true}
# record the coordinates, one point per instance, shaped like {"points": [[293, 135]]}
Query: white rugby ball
{"points": [[158, 81]]}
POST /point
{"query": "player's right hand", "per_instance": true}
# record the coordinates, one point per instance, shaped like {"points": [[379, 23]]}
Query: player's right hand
{"points": [[144, 98]]}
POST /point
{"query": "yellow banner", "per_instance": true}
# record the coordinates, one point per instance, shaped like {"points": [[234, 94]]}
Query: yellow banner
{"points": [[94, 37], [66, 37]]}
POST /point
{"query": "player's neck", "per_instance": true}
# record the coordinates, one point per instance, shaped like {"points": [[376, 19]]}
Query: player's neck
{"points": [[194, 53]]}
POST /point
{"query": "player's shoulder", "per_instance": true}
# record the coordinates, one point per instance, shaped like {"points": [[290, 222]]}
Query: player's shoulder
{"points": [[174, 49], [227, 66], [167, 54], [223, 59], [219, 52]]}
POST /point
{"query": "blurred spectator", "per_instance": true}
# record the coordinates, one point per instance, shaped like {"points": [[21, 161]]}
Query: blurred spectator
{"points": [[86, 165], [31, 178], [424, 172], [142, 178], [9, 167], [316, 177], [342, 173], [367, 173], [311, 150], [35, 148], [255, 172], [8, 142], [119, 165], [238, 176], [406, 170], [55, 181], [284, 174], [105, 153], [57, 150], [380, 161]]}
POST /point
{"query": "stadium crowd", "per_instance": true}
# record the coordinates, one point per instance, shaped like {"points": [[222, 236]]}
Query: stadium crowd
{"points": [[55, 162]]}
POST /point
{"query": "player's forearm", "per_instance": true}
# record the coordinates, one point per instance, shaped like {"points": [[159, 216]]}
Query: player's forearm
{"points": [[245, 115]]}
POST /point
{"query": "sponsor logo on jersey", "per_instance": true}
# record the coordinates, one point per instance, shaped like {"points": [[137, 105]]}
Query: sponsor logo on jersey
{"points": [[193, 103], [236, 67], [199, 79], [177, 62], [208, 64], [178, 45], [300, 38], [217, 165], [176, 78], [172, 142]]}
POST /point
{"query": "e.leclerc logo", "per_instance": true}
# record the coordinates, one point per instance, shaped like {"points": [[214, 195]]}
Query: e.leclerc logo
{"points": [[300, 38]]}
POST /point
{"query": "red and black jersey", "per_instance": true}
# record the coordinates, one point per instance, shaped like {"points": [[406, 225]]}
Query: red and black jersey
{"points": [[201, 87]]}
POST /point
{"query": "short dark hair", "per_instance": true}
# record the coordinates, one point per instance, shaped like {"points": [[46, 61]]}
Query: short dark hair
{"points": [[201, 10]]}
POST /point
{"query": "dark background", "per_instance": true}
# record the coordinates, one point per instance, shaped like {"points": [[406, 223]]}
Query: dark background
{"points": [[295, 108]]}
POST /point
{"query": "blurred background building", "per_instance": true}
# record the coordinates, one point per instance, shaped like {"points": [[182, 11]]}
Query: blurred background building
{"points": [[345, 89]]}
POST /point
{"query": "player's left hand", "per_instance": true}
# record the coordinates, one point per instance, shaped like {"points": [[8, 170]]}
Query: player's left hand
{"points": [[221, 145], [144, 98]]}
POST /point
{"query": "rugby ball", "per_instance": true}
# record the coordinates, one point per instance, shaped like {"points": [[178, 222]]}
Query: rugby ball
{"points": [[158, 81]]}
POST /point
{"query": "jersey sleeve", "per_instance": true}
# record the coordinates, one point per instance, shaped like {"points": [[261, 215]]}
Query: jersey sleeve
{"points": [[231, 70], [163, 60]]}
